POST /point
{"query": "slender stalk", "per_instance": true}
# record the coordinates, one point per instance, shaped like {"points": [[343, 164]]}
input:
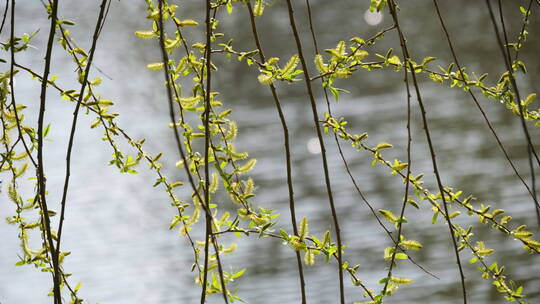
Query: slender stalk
{"points": [[338, 144], [521, 33], [287, 153], [12, 88], [531, 150], [5, 15], [4, 108], [506, 57], [169, 84], [322, 146], [41, 171], [208, 142], [505, 52], [479, 107], [406, 56], [206, 146], [407, 180], [95, 37]]}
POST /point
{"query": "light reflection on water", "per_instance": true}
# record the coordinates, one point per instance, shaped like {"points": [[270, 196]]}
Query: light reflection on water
{"points": [[116, 225]]}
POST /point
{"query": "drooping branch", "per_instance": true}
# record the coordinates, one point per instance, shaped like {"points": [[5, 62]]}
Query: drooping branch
{"points": [[287, 153], [99, 24], [41, 171], [406, 56], [322, 146], [484, 115]]}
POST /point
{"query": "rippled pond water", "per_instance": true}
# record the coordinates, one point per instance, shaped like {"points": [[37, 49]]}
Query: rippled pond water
{"points": [[116, 225]]}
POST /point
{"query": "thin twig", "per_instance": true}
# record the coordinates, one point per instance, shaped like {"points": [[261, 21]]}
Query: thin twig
{"points": [[12, 88], [323, 148], [479, 107], [169, 83], [41, 171], [206, 145], [505, 52], [407, 180], [287, 153], [523, 27], [393, 11], [5, 15], [99, 24], [345, 59]]}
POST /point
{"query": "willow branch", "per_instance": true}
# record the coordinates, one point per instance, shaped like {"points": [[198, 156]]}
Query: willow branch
{"points": [[506, 57], [99, 23], [393, 11], [4, 17], [287, 153], [479, 107], [41, 172], [322, 146], [505, 52]]}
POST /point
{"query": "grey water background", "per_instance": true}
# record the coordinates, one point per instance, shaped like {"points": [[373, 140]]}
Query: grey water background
{"points": [[117, 225]]}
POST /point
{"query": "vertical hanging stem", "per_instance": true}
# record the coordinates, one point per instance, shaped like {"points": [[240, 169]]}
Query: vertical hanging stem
{"points": [[5, 15], [207, 143], [210, 237], [406, 56], [484, 115], [95, 37], [323, 149], [169, 85], [407, 180], [512, 80], [505, 52], [287, 153], [41, 171]]}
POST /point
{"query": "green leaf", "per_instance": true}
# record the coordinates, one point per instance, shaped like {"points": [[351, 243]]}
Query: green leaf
{"points": [[361, 54], [434, 218], [239, 273], [401, 256], [258, 8], [188, 22], [247, 166], [303, 231], [155, 66], [145, 34], [400, 281], [394, 60], [391, 217], [290, 66], [529, 99], [411, 244], [320, 65], [383, 145], [284, 234], [46, 130], [265, 79]]}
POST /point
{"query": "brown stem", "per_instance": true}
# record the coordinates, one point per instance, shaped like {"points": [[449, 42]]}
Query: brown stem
{"points": [[521, 33], [99, 23], [479, 107], [505, 52], [287, 153], [5, 15], [407, 181], [41, 172], [323, 148], [406, 56]]}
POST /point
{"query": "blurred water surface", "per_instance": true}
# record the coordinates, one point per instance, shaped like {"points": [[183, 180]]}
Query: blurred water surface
{"points": [[116, 225]]}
